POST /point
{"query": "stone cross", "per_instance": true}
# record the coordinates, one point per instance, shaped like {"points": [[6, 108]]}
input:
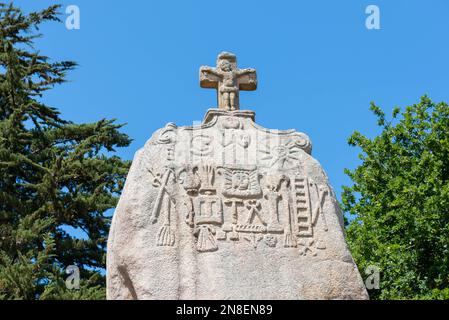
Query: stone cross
{"points": [[228, 80]]}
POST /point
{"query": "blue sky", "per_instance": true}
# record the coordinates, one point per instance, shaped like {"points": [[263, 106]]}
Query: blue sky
{"points": [[318, 65]]}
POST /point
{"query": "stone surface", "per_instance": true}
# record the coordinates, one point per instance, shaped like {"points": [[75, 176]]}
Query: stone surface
{"points": [[229, 210]]}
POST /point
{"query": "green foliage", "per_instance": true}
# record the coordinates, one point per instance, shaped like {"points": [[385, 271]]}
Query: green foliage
{"points": [[53, 173], [399, 202]]}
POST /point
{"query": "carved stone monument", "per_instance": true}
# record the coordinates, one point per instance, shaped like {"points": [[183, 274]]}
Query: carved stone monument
{"points": [[229, 210]]}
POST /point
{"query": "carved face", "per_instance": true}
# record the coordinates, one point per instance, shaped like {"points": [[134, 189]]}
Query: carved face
{"points": [[245, 140], [281, 151], [240, 181], [225, 66], [283, 154]]}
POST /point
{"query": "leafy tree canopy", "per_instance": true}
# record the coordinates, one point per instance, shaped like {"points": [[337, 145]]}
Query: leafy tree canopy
{"points": [[398, 204]]}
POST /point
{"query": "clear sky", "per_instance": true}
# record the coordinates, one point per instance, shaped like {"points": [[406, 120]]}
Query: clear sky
{"points": [[318, 65]]}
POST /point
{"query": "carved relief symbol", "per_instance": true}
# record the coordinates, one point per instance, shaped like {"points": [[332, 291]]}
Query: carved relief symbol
{"points": [[204, 207], [232, 123], [304, 212], [253, 239], [209, 210], [273, 183], [307, 211], [321, 194], [303, 206], [202, 204], [191, 182], [270, 240], [207, 179], [306, 246], [234, 141], [281, 154], [235, 138], [289, 237], [206, 240], [201, 145], [254, 208], [167, 136], [310, 246], [240, 182], [165, 236], [234, 203], [190, 179]]}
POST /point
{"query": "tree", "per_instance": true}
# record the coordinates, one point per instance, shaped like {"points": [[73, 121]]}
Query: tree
{"points": [[53, 173], [398, 204]]}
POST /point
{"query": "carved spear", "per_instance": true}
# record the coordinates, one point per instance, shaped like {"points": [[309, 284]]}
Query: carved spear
{"points": [[160, 195], [321, 193]]}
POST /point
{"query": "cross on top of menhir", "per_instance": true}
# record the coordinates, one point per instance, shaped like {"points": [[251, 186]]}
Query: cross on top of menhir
{"points": [[228, 80]]}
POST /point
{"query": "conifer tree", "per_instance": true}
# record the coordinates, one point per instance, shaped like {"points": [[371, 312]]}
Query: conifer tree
{"points": [[53, 173]]}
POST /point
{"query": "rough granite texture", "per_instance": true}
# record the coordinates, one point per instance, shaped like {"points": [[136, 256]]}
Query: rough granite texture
{"points": [[229, 210]]}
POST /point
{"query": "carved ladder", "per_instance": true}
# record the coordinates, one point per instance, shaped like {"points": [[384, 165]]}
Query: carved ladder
{"points": [[303, 206]]}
